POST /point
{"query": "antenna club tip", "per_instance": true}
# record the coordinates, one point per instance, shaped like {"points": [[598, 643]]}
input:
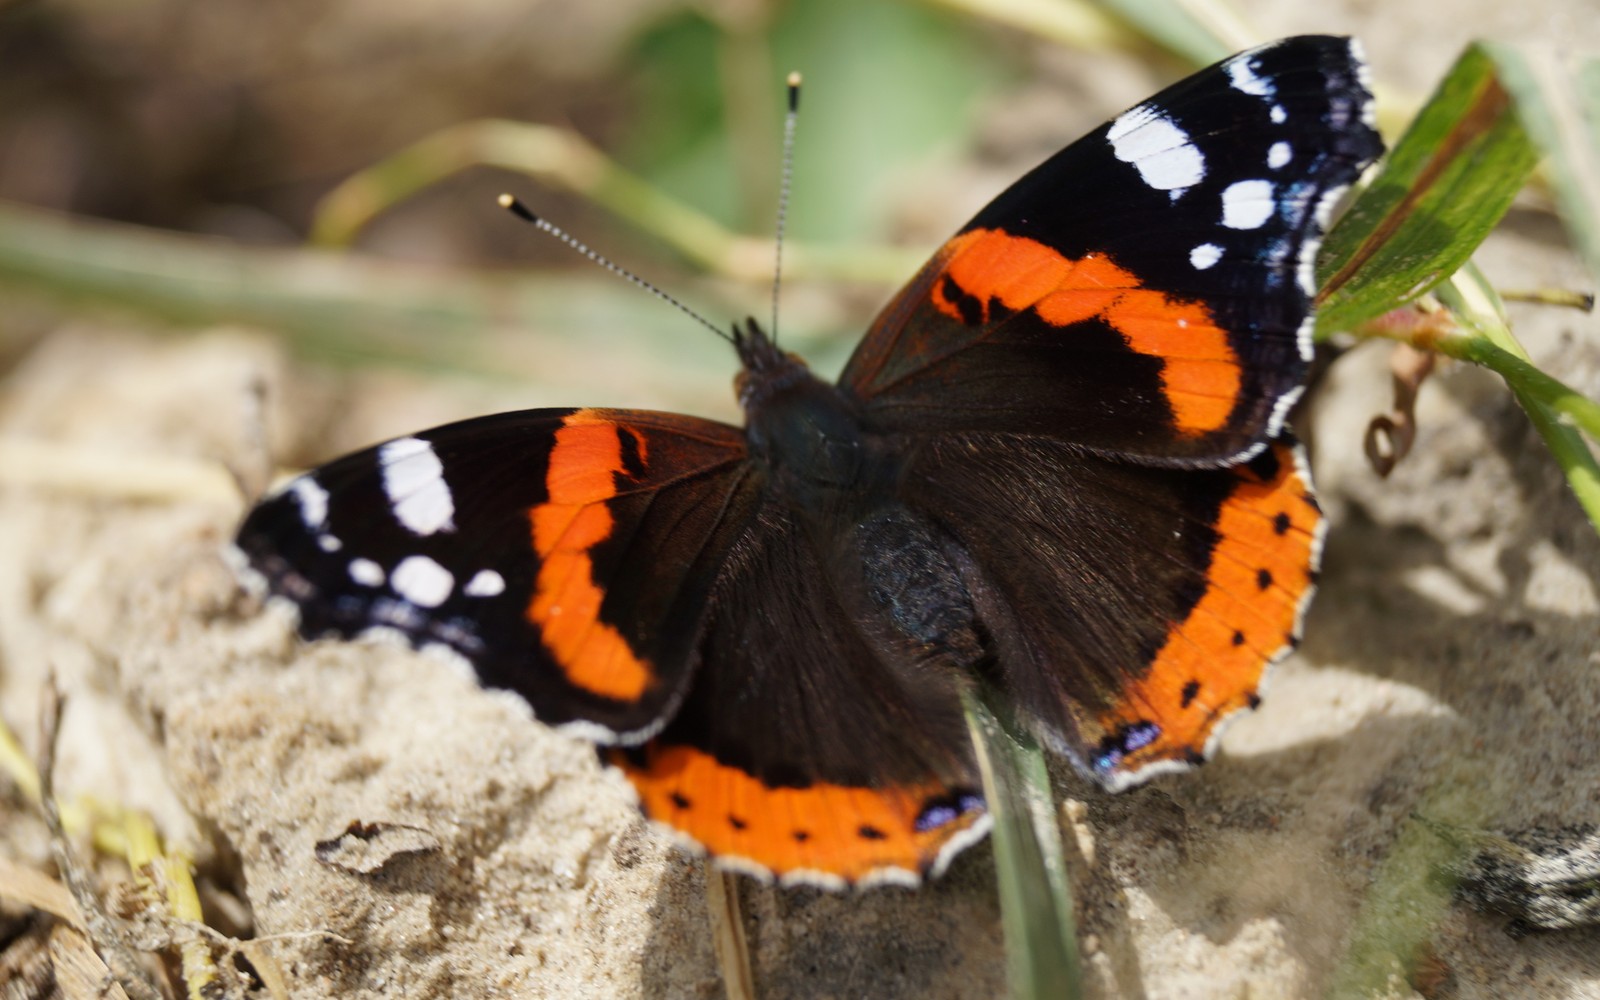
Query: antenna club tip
{"points": [[794, 90], [517, 208]]}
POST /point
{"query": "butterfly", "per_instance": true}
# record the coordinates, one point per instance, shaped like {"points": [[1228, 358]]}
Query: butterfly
{"points": [[1056, 464]]}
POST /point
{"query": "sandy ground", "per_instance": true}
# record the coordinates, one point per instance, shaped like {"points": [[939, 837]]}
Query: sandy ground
{"points": [[1450, 667]]}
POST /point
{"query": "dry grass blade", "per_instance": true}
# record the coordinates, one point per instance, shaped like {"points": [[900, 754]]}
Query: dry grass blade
{"points": [[79, 972], [102, 931], [727, 934], [31, 888]]}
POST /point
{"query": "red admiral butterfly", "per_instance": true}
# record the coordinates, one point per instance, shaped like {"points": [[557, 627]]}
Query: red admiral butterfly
{"points": [[1057, 462]]}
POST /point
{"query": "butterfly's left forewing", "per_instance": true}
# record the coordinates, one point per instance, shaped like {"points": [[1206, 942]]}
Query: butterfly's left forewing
{"points": [[1144, 293], [567, 555]]}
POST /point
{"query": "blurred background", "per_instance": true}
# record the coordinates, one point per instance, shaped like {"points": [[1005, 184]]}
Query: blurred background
{"points": [[382, 132], [649, 128]]}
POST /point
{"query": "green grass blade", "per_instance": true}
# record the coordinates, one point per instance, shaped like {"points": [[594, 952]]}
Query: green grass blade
{"points": [[342, 308], [1199, 31], [560, 158], [1065, 22], [1558, 101], [1569, 406], [1469, 295], [1035, 896], [1443, 187]]}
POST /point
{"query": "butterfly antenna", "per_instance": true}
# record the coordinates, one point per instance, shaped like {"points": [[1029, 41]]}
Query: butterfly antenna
{"points": [[521, 211], [789, 120]]}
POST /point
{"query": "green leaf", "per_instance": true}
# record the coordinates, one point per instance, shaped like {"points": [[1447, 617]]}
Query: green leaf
{"points": [[887, 86], [1030, 867], [1441, 190], [350, 308]]}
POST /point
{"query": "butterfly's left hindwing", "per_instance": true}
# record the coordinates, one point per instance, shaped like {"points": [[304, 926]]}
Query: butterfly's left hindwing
{"points": [[813, 745], [1134, 609], [566, 554]]}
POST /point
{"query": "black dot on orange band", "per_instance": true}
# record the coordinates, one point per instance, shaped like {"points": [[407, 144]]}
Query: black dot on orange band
{"points": [[801, 836], [1280, 524], [630, 450], [1264, 578], [736, 822], [871, 833], [680, 800], [1253, 700], [1292, 641], [967, 304], [1194, 756], [1238, 638], [1191, 690]]}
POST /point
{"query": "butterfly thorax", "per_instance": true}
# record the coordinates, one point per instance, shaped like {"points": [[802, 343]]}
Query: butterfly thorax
{"points": [[837, 480]]}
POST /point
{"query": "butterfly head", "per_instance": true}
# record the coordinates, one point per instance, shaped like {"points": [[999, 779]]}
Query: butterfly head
{"points": [[765, 370], [797, 426]]}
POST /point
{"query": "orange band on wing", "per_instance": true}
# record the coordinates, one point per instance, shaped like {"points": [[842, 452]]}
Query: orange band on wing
{"points": [[1211, 664], [580, 478], [1201, 374], [821, 830]]}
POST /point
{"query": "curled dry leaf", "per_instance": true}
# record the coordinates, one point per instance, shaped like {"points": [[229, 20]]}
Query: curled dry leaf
{"points": [[1390, 435]]}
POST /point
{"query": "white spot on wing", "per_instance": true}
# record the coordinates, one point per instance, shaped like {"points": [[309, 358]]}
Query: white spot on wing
{"points": [[1305, 277], [485, 583], [1160, 150], [366, 572], [1204, 255], [1279, 155], [1358, 59], [329, 543], [413, 478], [1278, 115], [422, 581], [1245, 79], [313, 500], [1247, 204]]}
